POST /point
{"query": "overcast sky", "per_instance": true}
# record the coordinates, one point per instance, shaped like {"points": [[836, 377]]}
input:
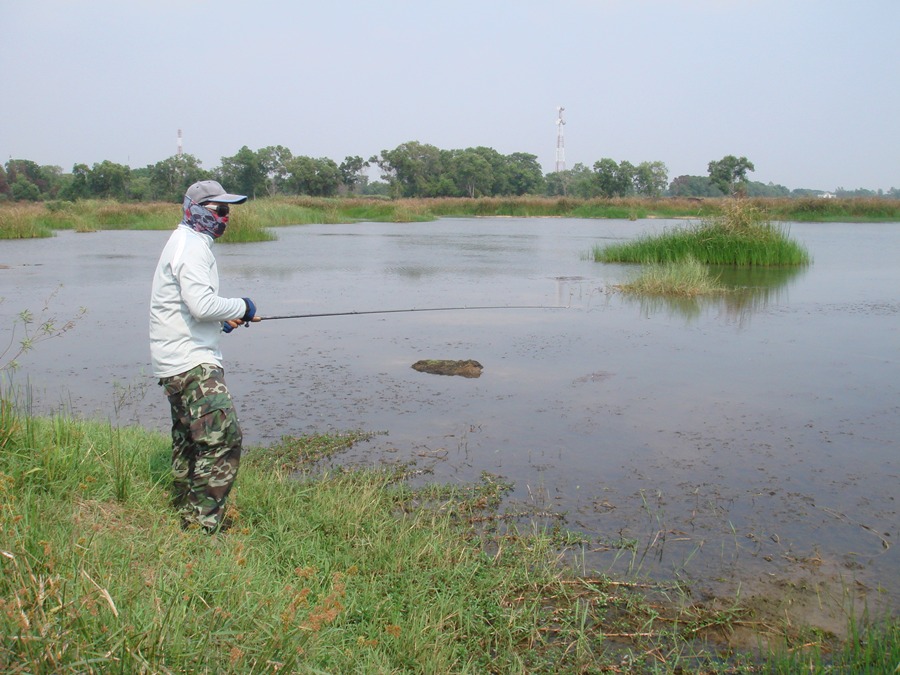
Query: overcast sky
{"points": [[808, 90]]}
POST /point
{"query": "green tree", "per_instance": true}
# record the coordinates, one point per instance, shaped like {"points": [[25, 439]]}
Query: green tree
{"points": [[108, 180], [499, 170], [729, 174], [613, 179], [5, 190], [24, 190], [314, 177], [693, 186], [523, 174], [22, 171], [651, 178], [471, 173], [579, 181], [757, 189], [412, 169], [171, 177], [352, 176], [274, 161], [244, 173], [77, 187]]}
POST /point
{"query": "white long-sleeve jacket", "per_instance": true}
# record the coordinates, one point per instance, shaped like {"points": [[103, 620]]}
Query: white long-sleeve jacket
{"points": [[186, 312]]}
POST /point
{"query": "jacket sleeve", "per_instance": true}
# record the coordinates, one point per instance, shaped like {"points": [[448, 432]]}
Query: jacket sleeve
{"points": [[198, 281]]}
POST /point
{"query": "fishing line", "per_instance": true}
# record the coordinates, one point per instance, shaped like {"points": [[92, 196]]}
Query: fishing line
{"points": [[415, 309]]}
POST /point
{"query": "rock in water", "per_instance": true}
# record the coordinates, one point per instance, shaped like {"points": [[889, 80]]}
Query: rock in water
{"points": [[467, 368]]}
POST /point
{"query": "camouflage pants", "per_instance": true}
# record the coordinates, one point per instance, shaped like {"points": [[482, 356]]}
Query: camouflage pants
{"points": [[206, 444]]}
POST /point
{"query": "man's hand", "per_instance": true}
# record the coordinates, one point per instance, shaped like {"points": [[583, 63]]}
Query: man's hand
{"points": [[231, 324]]}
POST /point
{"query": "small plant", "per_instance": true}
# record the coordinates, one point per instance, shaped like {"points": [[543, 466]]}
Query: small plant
{"points": [[33, 331]]}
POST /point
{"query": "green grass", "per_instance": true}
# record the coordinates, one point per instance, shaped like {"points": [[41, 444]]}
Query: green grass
{"points": [[686, 278], [19, 222], [324, 570], [252, 220], [741, 235]]}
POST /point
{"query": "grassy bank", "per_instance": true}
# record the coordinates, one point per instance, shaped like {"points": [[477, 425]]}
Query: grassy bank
{"points": [[251, 221], [324, 570]]}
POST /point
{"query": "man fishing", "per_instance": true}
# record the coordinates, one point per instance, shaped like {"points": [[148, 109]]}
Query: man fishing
{"points": [[187, 319]]}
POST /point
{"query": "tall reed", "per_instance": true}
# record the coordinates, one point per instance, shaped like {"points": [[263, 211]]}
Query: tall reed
{"points": [[21, 222]]}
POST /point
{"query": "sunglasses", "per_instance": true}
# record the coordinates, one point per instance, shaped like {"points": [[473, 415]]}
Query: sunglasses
{"points": [[220, 210]]}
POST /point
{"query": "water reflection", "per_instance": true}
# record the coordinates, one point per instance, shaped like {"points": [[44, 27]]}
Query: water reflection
{"points": [[749, 291]]}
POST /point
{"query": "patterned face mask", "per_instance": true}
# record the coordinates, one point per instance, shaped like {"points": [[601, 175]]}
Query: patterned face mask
{"points": [[201, 219]]}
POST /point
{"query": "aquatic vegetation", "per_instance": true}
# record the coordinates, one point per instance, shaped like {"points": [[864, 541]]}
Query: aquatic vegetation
{"points": [[741, 235], [684, 278], [19, 222]]}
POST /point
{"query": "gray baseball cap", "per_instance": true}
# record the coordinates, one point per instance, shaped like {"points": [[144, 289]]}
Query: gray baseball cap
{"points": [[212, 191]]}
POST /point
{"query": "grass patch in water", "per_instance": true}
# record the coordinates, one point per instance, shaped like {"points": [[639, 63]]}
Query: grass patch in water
{"points": [[741, 235], [684, 278]]}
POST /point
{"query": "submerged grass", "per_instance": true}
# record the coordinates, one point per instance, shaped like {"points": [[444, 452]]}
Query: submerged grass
{"points": [[685, 278], [741, 235], [323, 570]]}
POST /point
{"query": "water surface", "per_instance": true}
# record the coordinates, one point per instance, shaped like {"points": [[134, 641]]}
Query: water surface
{"points": [[723, 441]]}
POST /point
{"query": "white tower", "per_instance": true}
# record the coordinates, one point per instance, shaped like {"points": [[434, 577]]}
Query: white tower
{"points": [[179, 143], [560, 141]]}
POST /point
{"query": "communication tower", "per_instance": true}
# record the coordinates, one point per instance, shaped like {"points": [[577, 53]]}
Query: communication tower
{"points": [[179, 143], [560, 140]]}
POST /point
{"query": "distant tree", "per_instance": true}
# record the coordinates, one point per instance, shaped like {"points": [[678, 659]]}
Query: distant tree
{"points": [[523, 174], [171, 177], [757, 189], [314, 177], [470, 173], [584, 183], [729, 174], [693, 186], [274, 161], [412, 169], [78, 187], [244, 173], [4, 184], [613, 179], [24, 190], [625, 179], [499, 170], [108, 180], [651, 179], [859, 192], [352, 176], [375, 188], [22, 171]]}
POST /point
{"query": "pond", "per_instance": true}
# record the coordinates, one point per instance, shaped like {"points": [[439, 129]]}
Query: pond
{"points": [[751, 442]]}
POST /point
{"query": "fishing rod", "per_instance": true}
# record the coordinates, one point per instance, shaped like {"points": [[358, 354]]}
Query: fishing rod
{"points": [[398, 311]]}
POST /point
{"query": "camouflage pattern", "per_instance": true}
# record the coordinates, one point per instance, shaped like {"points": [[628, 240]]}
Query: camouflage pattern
{"points": [[206, 444]]}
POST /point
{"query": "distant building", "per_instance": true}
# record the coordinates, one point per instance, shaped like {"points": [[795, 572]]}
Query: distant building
{"points": [[827, 195]]}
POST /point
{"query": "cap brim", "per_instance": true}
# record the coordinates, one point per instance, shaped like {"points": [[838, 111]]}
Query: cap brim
{"points": [[227, 199]]}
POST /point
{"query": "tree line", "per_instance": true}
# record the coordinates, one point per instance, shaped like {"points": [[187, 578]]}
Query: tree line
{"points": [[410, 170]]}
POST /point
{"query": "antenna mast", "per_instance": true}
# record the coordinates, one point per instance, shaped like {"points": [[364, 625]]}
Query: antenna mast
{"points": [[179, 143], [560, 141]]}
